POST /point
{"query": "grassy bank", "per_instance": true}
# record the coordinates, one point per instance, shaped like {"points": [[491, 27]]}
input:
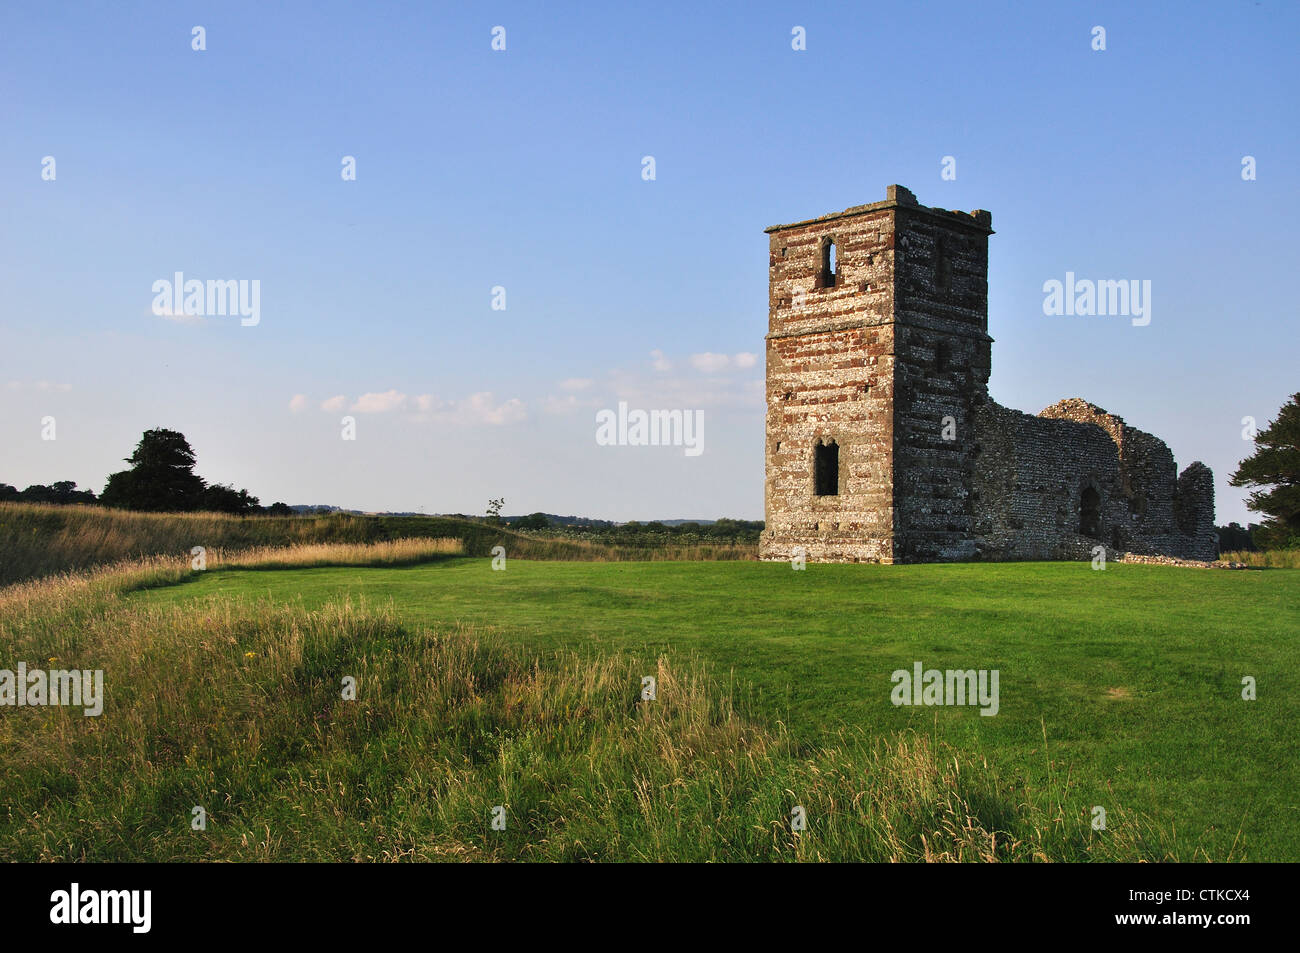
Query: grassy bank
{"points": [[40, 540]]}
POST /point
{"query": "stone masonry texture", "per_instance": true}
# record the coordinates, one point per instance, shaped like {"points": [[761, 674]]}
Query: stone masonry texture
{"points": [[878, 360]]}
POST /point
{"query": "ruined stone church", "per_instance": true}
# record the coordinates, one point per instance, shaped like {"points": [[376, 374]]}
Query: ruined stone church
{"points": [[882, 442]]}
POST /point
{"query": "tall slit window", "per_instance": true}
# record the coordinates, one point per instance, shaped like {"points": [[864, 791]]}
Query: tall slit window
{"points": [[1090, 513], [942, 266], [827, 275], [826, 469]]}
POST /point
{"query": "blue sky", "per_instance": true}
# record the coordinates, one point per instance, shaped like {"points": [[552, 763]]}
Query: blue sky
{"points": [[522, 169]]}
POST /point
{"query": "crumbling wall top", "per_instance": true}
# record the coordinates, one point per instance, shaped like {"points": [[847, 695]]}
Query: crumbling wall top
{"points": [[897, 196]]}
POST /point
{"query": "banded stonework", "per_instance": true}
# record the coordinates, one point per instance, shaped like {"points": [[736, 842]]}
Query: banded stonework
{"points": [[882, 442]]}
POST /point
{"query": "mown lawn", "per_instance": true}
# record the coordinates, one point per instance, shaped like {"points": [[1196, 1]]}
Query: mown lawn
{"points": [[1122, 686]]}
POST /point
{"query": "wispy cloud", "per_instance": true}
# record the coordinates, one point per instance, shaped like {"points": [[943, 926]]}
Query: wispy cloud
{"points": [[569, 403], [389, 400], [712, 363], [481, 408], [709, 362], [476, 409]]}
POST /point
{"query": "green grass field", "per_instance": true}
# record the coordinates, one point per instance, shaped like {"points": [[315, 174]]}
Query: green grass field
{"points": [[1125, 682], [1119, 689]]}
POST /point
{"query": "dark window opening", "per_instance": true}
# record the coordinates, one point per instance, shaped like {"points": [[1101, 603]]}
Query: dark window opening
{"points": [[1090, 513], [942, 356], [942, 266], [827, 276], [826, 469]]}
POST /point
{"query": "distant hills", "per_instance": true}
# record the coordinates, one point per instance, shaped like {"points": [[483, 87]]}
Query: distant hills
{"points": [[555, 519]]}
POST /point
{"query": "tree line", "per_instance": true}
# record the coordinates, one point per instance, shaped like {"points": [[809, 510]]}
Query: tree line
{"points": [[160, 479]]}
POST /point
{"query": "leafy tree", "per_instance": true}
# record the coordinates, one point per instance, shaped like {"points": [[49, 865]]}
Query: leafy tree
{"points": [[279, 509], [494, 509], [532, 521], [219, 498], [37, 493], [1234, 537], [1275, 468], [161, 477], [61, 491], [8, 492]]}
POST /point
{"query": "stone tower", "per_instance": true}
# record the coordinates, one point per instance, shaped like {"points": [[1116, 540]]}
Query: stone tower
{"points": [[882, 442], [877, 360]]}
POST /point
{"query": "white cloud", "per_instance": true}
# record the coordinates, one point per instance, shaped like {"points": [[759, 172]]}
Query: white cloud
{"points": [[576, 383], [380, 403], [298, 403], [745, 359], [568, 404], [476, 409], [709, 362], [660, 362], [481, 407]]}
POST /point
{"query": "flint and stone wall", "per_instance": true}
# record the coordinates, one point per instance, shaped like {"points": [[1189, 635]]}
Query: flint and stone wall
{"points": [[887, 354]]}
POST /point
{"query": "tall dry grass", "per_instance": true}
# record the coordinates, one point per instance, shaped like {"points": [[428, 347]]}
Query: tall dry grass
{"points": [[66, 594], [1266, 559], [397, 552], [43, 539]]}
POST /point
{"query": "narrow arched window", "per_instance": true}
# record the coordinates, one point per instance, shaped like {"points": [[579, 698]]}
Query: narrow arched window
{"points": [[826, 469], [827, 274]]}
